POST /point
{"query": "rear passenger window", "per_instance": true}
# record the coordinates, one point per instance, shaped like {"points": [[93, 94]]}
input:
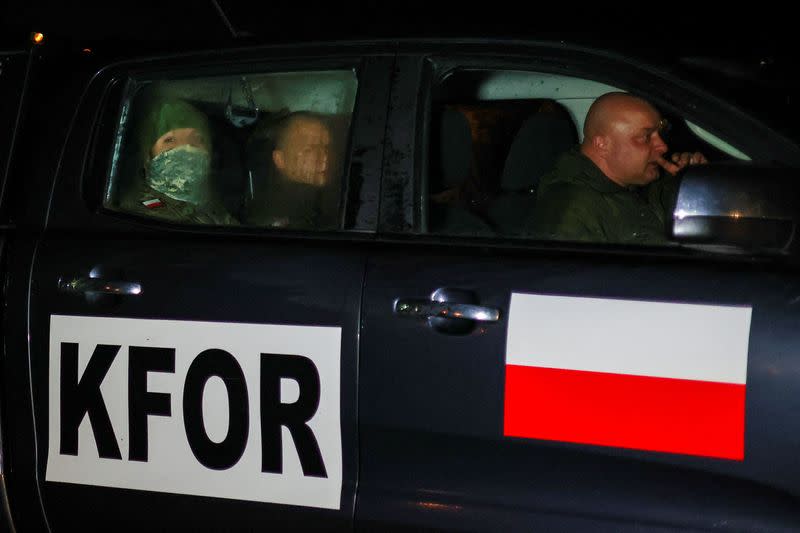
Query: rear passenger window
{"points": [[263, 150]]}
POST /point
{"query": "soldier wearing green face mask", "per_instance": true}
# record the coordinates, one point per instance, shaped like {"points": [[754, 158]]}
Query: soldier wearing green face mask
{"points": [[175, 138]]}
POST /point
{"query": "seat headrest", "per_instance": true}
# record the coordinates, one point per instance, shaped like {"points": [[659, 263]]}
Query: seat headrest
{"points": [[536, 147]]}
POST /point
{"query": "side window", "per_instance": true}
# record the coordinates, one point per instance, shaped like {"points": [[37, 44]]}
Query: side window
{"points": [[263, 150], [504, 160]]}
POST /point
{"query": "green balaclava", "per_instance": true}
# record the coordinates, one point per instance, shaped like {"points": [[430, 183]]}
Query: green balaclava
{"points": [[183, 172]]}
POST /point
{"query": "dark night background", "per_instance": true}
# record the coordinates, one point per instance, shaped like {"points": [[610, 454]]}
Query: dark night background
{"points": [[728, 29], [747, 52]]}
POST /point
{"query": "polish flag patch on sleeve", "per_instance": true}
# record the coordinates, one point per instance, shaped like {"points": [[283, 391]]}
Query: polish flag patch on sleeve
{"points": [[662, 377], [151, 204]]}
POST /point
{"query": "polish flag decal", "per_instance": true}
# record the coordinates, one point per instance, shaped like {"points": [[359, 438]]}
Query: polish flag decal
{"points": [[662, 377]]}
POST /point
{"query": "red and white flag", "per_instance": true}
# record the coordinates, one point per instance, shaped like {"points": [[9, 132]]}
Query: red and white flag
{"points": [[654, 376], [151, 204]]}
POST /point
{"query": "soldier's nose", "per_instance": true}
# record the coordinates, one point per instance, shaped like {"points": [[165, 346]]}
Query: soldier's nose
{"points": [[659, 146]]}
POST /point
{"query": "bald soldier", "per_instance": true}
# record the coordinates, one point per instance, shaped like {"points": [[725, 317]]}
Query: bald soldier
{"points": [[610, 188], [300, 191], [175, 141]]}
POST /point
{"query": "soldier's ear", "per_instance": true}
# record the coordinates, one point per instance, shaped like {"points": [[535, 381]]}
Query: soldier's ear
{"points": [[601, 143], [279, 159]]}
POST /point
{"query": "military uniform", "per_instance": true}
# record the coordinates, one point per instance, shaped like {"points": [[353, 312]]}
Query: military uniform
{"points": [[286, 204], [146, 201], [577, 202], [181, 170]]}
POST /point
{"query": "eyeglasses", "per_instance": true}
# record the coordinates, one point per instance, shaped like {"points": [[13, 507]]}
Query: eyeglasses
{"points": [[664, 127]]}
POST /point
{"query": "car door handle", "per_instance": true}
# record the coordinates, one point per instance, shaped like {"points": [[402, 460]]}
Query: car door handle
{"points": [[429, 309], [96, 285]]}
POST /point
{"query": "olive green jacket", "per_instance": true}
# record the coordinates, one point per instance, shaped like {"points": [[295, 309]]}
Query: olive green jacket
{"points": [[577, 202], [281, 203], [146, 201]]}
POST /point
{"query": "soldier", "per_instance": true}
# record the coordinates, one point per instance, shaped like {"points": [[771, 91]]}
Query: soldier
{"points": [[300, 191], [176, 144], [610, 188]]}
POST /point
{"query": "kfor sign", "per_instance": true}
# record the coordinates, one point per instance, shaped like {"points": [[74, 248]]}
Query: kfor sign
{"points": [[228, 410]]}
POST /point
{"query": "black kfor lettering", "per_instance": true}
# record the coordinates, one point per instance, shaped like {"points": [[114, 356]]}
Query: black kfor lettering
{"points": [[225, 454], [142, 403], [294, 416], [80, 397]]}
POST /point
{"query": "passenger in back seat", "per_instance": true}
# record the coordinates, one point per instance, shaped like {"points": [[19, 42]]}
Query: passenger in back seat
{"points": [[300, 189], [176, 143], [449, 212]]}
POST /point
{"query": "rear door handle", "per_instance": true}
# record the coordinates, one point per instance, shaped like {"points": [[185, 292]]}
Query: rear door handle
{"points": [[429, 309], [99, 286], [451, 311]]}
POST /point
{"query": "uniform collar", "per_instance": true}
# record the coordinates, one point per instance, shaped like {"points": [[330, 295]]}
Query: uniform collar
{"points": [[592, 176]]}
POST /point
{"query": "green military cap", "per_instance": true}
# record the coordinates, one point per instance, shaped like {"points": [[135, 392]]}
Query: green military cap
{"points": [[167, 115]]}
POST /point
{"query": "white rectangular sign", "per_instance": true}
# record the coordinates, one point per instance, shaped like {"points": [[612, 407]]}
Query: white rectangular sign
{"points": [[226, 410]]}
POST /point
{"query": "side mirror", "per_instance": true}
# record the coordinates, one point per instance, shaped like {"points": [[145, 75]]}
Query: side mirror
{"points": [[738, 208]]}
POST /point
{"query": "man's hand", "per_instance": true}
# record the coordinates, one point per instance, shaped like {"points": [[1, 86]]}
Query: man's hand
{"points": [[681, 161]]}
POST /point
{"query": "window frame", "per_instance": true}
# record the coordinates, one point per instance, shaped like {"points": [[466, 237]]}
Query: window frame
{"points": [[436, 62], [133, 84], [79, 187]]}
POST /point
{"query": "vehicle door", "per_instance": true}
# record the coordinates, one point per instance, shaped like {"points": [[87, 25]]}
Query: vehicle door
{"points": [[515, 384], [192, 366]]}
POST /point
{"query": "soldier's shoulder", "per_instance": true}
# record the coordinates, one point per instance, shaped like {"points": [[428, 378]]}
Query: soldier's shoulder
{"points": [[143, 200]]}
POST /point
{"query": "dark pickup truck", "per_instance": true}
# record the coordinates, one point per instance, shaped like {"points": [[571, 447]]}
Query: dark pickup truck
{"points": [[206, 328]]}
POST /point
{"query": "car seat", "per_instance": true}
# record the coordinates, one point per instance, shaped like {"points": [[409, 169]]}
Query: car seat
{"points": [[541, 139]]}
